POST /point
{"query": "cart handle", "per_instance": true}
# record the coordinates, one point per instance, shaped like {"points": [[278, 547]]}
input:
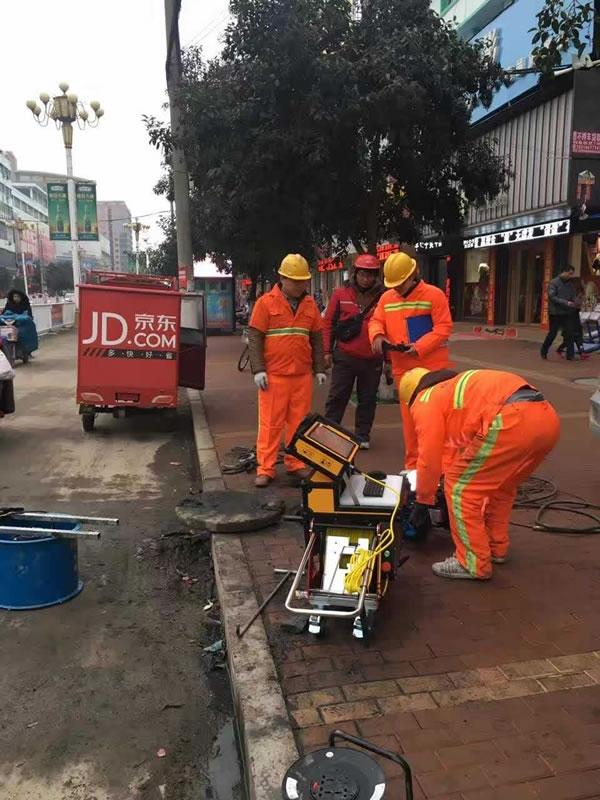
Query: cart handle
{"points": [[307, 612], [379, 751]]}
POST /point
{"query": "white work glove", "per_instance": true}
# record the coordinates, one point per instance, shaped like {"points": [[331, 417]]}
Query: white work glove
{"points": [[261, 381], [321, 378]]}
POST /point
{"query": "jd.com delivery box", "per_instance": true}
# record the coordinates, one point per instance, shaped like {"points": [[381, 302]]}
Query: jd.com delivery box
{"points": [[140, 338]]}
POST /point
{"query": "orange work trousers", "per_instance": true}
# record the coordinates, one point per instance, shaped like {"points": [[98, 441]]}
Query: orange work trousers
{"points": [[411, 443], [281, 408], [481, 482]]}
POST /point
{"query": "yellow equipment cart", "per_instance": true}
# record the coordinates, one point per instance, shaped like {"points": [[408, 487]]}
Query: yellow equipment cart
{"points": [[350, 519]]}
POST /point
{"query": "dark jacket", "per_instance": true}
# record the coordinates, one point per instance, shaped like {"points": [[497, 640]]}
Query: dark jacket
{"points": [[24, 307], [560, 294], [346, 302]]}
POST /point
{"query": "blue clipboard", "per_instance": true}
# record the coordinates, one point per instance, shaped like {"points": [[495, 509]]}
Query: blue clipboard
{"points": [[418, 326]]}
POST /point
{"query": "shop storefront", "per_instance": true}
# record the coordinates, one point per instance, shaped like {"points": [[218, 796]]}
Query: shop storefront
{"points": [[507, 273]]}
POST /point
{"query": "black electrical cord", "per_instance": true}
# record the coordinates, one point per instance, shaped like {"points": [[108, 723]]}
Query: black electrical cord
{"points": [[542, 494]]}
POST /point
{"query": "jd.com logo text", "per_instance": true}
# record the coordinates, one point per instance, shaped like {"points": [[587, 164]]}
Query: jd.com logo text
{"points": [[151, 331]]}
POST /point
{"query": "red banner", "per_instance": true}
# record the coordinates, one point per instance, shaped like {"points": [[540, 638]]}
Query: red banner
{"points": [[330, 264], [385, 250]]}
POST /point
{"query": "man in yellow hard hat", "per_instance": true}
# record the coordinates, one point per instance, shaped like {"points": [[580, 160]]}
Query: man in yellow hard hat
{"points": [[286, 348], [417, 315]]}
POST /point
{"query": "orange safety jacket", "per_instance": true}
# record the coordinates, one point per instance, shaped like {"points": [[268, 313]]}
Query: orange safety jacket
{"points": [[449, 415], [287, 343], [421, 318]]}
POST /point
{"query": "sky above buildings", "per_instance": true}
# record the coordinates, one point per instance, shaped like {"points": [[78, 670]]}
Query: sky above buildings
{"points": [[113, 51]]}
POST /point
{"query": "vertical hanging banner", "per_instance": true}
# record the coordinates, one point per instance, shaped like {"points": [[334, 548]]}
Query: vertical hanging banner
{"points": [[58, 212], [87, 215]]}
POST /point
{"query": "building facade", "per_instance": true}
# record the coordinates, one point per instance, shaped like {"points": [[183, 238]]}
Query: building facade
{"points": [[548, 135], [30, 248], [113, 215]]}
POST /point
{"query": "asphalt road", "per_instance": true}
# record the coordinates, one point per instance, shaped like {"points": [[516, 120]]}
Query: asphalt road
{"points": [[93, 689]]}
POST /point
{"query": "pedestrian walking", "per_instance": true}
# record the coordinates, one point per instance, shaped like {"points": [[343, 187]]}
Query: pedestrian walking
{"points": [[285, 339], [577, 328], [416, 314], [561, 305], [486, 431], [348, 349]]}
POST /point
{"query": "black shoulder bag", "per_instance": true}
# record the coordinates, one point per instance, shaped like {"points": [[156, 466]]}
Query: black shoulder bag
{"points": [[349, 329]]}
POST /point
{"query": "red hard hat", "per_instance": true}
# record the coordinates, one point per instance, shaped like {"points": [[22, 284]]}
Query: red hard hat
{"points": [[367, 261]]}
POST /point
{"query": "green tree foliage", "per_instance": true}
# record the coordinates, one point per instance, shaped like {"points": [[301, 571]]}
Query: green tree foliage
{"points": [[59, 278], [561, 26], [315, 128], [162, 260]]}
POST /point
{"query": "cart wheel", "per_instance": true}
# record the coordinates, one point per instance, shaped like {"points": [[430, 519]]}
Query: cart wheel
{"points": [[244, 359], [87, 421]]}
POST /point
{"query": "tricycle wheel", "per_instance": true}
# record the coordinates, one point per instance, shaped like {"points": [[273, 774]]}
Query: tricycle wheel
{"points": [[87, 421]]}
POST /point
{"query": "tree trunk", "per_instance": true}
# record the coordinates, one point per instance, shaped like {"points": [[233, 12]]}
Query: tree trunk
{"points": [[373, 198], [372, 226]]}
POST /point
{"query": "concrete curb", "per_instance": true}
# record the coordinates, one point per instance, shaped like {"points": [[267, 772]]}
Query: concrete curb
{"points": [[266, 738]]}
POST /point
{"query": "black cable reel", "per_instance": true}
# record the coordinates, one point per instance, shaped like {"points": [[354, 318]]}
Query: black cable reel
{"points": [[342, 773]]}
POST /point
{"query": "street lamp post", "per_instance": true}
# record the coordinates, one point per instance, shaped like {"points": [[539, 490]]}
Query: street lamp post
{"points": [[65, 109], [21, 226], [137, 227]]}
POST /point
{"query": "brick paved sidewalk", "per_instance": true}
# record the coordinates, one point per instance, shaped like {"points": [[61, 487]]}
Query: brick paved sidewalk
{"points": [[490, 690]]}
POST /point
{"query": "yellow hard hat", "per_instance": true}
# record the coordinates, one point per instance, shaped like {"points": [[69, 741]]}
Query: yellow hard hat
{"points": [[295, 267], [397, 268], [409, 382]]}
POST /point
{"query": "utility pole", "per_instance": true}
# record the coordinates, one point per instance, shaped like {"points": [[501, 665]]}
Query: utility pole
{"points": [[178, 162]]}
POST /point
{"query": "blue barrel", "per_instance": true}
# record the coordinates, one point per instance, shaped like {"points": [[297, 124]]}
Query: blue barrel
{"points": [[37, 572]]}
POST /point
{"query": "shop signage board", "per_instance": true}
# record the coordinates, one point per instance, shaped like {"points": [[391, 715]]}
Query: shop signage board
{"points": [[329, 264], [584, 179], [58, 212], [586, 143], [428, 246], [87, 214], [529, 233]]}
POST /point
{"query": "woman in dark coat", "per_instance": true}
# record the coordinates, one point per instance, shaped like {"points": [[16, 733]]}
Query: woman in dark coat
{"points": [[17, 302]]}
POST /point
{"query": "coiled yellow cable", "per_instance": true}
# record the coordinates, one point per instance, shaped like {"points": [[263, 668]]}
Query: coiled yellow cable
{"points": [[362, 559]]}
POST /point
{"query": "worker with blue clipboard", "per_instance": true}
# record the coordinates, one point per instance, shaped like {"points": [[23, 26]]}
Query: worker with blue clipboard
{"points": [[412, 320]]}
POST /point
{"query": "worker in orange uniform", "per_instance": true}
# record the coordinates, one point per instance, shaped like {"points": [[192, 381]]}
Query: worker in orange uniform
{"points": [[486, 431], [414, 314], [285, 340]]}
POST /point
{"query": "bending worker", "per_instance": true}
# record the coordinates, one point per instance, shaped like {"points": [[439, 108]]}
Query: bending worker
{"points": [[348, 349], [286, 347], [486, 431], [416, 314]]}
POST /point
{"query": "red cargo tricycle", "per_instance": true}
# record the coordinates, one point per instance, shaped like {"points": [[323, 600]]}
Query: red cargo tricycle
{"points": [[140, 339]]}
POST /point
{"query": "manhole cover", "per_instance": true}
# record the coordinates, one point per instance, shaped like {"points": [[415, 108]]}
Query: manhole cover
{"points": [[230, 512], [593, 382]]}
